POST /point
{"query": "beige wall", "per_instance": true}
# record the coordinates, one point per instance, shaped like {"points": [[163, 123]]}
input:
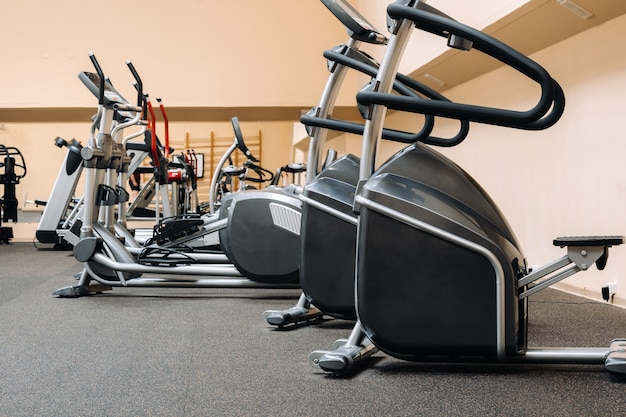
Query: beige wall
{"points": [[568, 180], [190, 52]]}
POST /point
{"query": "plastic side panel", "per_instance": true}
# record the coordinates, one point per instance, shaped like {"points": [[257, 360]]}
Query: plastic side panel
{"points": [[420, 295], [64, 187], [328, 248], [344, 169], [261, 250], [424, 165], [223, 234], [327, 263]]}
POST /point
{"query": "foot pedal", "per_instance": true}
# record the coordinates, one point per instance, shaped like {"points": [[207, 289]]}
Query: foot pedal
{"points": [[588, 241], [81, 290], [330, 361], [616, 357], [582, 248], [292, 315], [343, 358]]}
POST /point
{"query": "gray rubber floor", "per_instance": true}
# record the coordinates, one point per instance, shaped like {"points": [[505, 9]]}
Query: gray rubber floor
{"points": [[164, 352]]}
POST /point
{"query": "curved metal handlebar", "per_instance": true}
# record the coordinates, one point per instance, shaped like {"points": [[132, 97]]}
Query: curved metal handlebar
{"points": [[239, 140], [264, 175], [404, 85], [166, 124], [11, 158], [100, 73], [407, 86], [139, 83], [544, 114]]}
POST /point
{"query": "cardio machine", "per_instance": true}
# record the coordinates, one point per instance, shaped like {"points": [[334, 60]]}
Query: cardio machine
{"points": [[61, 203], [13, 169], [440, 275], [101, 248], [329, 223], [327, 213]]}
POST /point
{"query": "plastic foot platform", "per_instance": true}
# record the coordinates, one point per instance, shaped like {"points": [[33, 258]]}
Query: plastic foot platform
{"points": [[616, 357], [293, 315], [343, 358], [81, 290]]}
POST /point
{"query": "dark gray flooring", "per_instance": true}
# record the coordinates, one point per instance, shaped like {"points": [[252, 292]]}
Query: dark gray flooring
{"points": [[162, 352]]}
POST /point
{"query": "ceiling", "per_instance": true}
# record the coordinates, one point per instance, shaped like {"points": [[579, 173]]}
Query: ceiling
{"points": [[534, 26]]}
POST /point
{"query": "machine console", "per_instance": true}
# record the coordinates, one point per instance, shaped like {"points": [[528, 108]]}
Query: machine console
{"points": [[92, 82], [111, 95], [358, 27]]}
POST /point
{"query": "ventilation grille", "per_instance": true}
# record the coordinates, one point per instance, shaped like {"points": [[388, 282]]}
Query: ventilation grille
{"points": [[286, 218]]}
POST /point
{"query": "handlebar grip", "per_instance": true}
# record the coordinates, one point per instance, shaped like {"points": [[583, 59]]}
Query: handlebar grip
{"points": [[153, 136], [166, 123], [387, 134], [404, 85], [100, 73], [260, 171], [555, 114], [96, 64], [137, 78], [239, 140], [446, 27], [357, 128]]}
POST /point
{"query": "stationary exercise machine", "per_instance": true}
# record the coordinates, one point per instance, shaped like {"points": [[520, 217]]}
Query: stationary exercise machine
{"points": [[335, 224], [12, 170], [63, 208], [109, 262], [62, 201], [255, 225], [439, 273], [329, 224], [262, 237]]}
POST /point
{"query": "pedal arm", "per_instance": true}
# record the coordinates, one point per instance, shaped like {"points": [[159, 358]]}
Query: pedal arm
{"points": [[581, 252]]}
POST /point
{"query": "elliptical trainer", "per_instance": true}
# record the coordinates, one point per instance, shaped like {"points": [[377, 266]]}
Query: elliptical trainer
{"points": [[97, 245], [329, 223]]}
